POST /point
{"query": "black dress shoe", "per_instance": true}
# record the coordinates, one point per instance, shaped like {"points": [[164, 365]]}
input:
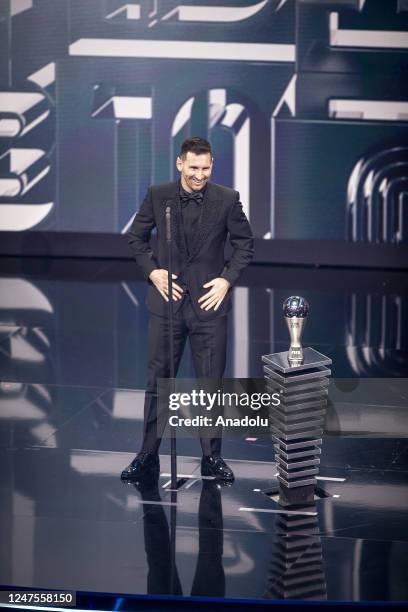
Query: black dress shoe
{"points": [[214, 465], [144, 465]]}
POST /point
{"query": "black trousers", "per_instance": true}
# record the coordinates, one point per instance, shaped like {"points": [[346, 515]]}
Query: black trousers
{"points": [[208, 341]]}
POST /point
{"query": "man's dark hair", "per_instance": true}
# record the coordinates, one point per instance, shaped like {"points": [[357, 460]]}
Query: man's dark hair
{"points": [[196, 145]]}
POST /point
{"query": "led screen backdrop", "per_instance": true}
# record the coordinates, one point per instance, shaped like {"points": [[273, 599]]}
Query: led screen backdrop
{"points": [[304, 102]]}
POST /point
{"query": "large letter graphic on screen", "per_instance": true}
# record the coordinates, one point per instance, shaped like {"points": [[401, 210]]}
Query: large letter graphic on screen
{"points": [[25, 198]]}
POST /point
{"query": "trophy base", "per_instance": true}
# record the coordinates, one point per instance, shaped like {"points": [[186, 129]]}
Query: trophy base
{"points": [[297, 422], [311, 359]]}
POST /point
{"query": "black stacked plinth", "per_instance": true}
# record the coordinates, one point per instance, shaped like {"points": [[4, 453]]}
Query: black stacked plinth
{"points": [[297, 423], [296, 570]]}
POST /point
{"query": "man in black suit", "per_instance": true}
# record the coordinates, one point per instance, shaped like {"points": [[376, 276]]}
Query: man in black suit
{"points": [[203, 214]]}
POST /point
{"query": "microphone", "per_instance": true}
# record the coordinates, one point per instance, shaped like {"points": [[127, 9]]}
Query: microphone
{"points": [[168, 224]]}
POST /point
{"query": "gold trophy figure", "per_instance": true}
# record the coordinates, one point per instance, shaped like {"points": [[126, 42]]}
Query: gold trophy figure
{"points": [[295, 310]]}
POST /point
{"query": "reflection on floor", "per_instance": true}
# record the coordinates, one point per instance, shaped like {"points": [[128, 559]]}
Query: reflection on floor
{"points": [[72, 372]]}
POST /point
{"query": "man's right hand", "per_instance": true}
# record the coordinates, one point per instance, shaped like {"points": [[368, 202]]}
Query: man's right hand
{"points": [[159, 278]]}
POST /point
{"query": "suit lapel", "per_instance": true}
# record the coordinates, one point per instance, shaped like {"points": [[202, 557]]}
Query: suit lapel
{"points": [[208, 218], [176, 220]]}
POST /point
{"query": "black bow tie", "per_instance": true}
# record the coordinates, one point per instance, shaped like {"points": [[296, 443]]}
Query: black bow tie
{"points": [[197, 196]]}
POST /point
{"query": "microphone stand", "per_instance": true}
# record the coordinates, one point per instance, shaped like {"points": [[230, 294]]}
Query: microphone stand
{"points": [[173, 449]]}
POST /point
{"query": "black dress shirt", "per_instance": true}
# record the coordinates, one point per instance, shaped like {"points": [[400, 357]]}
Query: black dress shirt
{"points": [[191, 211]]}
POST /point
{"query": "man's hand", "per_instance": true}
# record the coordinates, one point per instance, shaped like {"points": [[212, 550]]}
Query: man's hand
{"points": [[215, 296], [159, 278]]}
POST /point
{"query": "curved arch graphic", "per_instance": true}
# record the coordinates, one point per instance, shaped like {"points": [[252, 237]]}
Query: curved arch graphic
{"points": [[377, 197], [183, 116], [375, 336]]}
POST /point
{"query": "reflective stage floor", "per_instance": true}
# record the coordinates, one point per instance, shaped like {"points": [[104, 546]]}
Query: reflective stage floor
{"points": [[72, 372]]}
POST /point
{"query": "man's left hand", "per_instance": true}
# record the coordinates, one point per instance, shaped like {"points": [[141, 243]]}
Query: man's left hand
{"points": [[215, 296]]}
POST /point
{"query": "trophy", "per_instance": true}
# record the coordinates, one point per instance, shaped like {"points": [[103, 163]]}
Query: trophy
{"points": [[295, 310], [301, 377]]}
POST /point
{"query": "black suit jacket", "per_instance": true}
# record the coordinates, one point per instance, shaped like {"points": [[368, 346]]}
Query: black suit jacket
{"points": [[222, 215]]}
